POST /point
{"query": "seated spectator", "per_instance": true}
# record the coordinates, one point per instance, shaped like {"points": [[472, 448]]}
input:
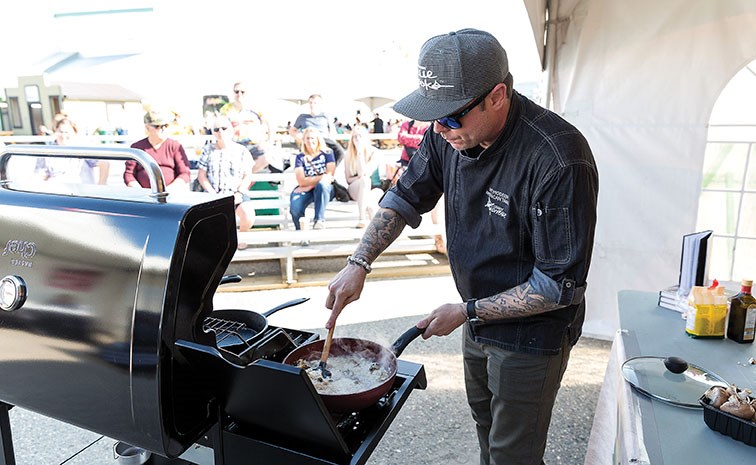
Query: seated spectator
{"points": [[410, 135], [317, 119], [314, 168], [168, 153], [362, 175], [251, 129], [225, 167], [70, 170]]}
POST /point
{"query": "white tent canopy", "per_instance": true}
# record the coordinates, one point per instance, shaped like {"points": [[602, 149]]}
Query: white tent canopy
{"points": [[640, 80]]}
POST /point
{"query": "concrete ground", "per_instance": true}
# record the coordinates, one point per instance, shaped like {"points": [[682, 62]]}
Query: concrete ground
{"points": [[433, 427]]}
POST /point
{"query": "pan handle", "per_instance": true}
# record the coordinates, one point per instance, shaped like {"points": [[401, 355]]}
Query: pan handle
{"points": [[288, 304], [410, 335], [203, 349], [230, 278]]}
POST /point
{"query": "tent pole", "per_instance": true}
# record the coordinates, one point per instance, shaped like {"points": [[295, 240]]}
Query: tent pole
{"points": [[552, 8]]}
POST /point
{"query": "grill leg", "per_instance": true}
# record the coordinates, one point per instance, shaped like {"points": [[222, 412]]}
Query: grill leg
{"points": [[6, 440]]}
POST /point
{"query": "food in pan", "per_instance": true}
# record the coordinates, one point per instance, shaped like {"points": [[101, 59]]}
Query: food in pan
{"points": [[349, 374]]}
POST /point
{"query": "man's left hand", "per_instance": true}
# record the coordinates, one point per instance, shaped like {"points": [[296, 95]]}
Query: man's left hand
{"points": [[443, 320]]}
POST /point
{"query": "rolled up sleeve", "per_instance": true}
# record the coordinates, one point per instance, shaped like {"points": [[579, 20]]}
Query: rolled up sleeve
{"points": [[563, 220], [395, 202], [563, 293]]}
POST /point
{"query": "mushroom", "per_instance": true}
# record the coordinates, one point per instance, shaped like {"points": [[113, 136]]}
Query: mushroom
{"points": [[717, 395], [736, 406]]}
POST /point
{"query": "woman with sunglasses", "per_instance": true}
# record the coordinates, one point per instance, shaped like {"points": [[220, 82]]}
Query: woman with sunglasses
{"points": [[225, 167], [168, 153]]}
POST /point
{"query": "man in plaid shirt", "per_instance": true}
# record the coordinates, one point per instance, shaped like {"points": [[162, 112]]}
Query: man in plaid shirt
{"points": [[225, 167]]}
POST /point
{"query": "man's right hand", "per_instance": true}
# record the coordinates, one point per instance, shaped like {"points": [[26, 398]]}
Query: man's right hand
{"points": [[344, 289]]}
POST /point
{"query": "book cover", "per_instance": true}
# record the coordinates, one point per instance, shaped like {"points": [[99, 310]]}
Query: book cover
{"points": [[694, 261]]}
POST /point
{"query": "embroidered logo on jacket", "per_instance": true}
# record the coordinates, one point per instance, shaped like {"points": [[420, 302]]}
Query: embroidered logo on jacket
{"points": [[497, 202]]}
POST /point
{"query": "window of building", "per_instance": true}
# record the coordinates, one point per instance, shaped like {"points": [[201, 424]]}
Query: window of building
{"points": [[5, 123], [31, 92], [727, 204], [15, 112]]}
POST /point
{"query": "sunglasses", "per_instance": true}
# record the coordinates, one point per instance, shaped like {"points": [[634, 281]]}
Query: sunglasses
{"points": [[453, 121], [240, 91], [159, 126], [220, 129]]}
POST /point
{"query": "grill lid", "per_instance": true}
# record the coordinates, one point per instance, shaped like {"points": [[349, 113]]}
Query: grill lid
{"points": [[97, 282]]}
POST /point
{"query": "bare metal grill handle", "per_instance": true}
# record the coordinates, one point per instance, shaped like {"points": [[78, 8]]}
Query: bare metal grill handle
{"points": [[157, 181]]}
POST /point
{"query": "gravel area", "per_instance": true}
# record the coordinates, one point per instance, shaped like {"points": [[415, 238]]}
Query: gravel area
{"points": [[435, 425]]}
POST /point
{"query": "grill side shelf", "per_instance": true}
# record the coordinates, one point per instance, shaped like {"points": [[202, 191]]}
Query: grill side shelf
{"points": [[278, 402]]}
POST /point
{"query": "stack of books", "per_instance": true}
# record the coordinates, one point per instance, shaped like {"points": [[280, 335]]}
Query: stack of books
{"points": [[670, 299]]}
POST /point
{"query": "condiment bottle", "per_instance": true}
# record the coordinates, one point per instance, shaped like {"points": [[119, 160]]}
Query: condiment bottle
{"points": [[707, 312], [742, 323]]}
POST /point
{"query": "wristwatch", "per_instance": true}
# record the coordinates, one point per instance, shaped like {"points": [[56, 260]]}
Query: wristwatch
{"points": [[472, 317]]}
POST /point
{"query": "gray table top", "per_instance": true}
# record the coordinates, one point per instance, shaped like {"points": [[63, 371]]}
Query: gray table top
{"points": [[675, 435]]}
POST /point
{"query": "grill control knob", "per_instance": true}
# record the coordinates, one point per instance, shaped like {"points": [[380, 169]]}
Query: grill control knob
{"points": [[12, 293]]}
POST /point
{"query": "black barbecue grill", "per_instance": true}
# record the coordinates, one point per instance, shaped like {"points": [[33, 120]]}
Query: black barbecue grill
{"points": [[106, 322]]}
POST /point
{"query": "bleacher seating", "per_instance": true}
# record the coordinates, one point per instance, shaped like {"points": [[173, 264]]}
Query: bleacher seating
{"points": [[274, 236]]}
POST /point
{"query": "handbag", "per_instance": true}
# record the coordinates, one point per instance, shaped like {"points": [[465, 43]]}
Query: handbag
{"points": [[196, 186], [340, 192]]}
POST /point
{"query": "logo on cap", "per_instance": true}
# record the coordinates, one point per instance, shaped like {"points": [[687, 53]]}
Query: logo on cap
{"points": [[425, 76]]}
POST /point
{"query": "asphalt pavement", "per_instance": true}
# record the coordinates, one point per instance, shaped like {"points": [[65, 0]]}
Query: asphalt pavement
{"points": [[433, 427]]}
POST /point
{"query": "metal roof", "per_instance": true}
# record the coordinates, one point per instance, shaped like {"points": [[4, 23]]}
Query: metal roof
{"points": [[97, 92]]}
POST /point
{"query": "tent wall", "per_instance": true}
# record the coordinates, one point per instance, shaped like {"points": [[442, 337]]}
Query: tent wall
{"points": [[640, 79]]}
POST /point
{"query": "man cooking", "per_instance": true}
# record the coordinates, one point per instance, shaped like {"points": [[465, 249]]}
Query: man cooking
{"points": [[520, 188]]}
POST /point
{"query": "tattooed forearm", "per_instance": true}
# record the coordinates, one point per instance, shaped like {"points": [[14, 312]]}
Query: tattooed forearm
{"points": [[385, 227], [517, 302]]}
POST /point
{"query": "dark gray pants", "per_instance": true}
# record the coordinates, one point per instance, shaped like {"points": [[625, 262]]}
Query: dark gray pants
{"points": [[511, 395]]}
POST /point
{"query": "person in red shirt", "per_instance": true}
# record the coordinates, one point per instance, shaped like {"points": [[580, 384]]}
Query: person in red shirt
{"points": [[168, 153], [410, 135]]}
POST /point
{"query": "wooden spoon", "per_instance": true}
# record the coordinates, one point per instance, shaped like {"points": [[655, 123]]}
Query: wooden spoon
{"points": [[326, 349]]}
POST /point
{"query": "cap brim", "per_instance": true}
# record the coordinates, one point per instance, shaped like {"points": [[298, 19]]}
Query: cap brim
{"points": [[419, 107]]}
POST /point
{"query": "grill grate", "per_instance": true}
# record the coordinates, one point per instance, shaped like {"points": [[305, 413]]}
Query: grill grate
{"points": [[226, 332]]}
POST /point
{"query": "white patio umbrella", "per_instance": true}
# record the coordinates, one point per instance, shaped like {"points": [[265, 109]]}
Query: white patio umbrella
{"points": [[374, 102]]}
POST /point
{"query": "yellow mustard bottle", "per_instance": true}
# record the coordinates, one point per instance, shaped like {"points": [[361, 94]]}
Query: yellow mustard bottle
{"points": [[707, 312]]}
